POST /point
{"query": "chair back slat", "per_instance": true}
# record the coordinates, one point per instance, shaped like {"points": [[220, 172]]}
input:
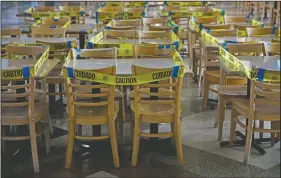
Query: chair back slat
{"points": [[152, 51], [242, 49], [252, 32], [11, 32], [116, 34], [47, 32], [155, 34], [130, 22], [222, 33], [101, 53], [272, 49], [150, 21], [206, 20]]}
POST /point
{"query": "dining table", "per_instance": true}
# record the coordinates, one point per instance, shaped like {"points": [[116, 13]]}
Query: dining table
{"points": [[250, 65]]}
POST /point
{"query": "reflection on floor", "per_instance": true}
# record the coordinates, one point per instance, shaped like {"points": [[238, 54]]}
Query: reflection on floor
{"points": [[202, 153]]}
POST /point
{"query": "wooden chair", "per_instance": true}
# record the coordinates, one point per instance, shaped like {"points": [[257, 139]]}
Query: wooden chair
{"points": [[252, 32], [130, 22], [47, 32], [24, 52], [212, 77], [100, 53], [152, 51], [223, 33], [12, 32], [28, 113], [150, 21], [263, 105], [160, 28], [236, 19], [227, 91], [206, 20], [272, 49], [157, 111], [102, 111], [116, 34], [203, 52], [155, 34]]}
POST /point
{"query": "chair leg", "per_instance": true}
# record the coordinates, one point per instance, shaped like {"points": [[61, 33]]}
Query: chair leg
{"points": [[47, 140], [205, 94], [173, 131], [220, 116], [178, 141], [232, 126], [70, 144], [248, 143], [34, 147], [136, 142], [113, 141], [132, 126]]}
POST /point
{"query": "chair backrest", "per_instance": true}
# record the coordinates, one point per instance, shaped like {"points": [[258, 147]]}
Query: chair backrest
{"points": [[251, 32], [123, 28], [100, 53], [152, 51], [262, 93], [243, 27], [158, 20], [160, 28], [272, 49], [236, 19], [155, 34], [47, 32], [17, 96], [172, 8], [35, 52], [47, 22], [81, 94], [206, 20], [172, 96], [217, 26], [116, 34], [198, 9], [130, 22], [11, 32], [249, 49], [222, 33]]}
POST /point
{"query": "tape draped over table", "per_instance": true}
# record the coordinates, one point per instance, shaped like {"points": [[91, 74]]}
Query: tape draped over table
{"points": [[87, 75], [234, 64]]}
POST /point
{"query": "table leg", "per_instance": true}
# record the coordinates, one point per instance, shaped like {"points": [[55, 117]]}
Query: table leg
{"points": [[82, 40]]}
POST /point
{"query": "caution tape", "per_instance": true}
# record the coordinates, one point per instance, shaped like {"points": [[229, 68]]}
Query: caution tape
{"points": [[180, 3], [15, 74], [41, 60], [234, 64], [91, 76], [52, 45], [209, 39]]}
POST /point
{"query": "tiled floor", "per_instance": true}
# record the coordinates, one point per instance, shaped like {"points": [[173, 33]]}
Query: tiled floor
{"points": [[203, 156]]}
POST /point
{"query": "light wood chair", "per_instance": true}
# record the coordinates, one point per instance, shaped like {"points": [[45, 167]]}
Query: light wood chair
{"points": [[129, 22], [100, 53], [227, 92], [155, 34], [252, 32], [199, 60], [263, 105], [212, 77], [160, 28], [152, 51], [116, 34], [24, 52], [272, 49], [206, 20], [223, 33], [236, 19], [12, 32], [47, 32], [24, 113], [157, 111], [88, 112], [150, 21]]}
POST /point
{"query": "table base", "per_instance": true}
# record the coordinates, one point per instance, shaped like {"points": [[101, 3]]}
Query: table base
{"points": [[242, 142]]}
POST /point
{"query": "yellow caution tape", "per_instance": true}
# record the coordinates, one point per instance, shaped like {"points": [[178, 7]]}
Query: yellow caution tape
{"points": [[87, 75], [53, 45], [209, 39], [15, 74], [181, 3], [41, 60]]}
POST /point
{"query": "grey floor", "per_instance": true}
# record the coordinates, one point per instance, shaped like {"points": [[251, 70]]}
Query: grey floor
{"points": [[202, 153]]}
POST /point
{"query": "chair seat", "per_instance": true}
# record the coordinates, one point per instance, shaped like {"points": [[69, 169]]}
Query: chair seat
{"points": [[233, 90], [22, 112], [95, 111], [39, 95], [155, 109], [262, 110]]}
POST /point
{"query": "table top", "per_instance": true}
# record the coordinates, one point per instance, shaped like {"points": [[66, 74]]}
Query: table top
{"points": [[135, 41], [123, 66], [7, 40], [245, 39]]}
